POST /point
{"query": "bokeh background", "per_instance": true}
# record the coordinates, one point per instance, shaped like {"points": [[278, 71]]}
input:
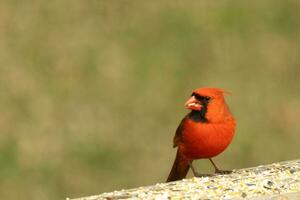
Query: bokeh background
{"points": [[92, 91]]}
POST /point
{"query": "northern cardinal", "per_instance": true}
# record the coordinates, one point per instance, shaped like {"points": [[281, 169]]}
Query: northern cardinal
{"points": [[205, 132]]}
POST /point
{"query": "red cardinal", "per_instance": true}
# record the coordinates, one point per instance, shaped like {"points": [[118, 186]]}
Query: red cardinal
{"points": [[203, 133]]}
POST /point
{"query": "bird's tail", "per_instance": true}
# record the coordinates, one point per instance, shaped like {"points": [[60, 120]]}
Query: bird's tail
{"points": [[180, 168]]}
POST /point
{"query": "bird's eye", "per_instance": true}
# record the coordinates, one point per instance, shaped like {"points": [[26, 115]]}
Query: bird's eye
{"points": [[207, 98]]}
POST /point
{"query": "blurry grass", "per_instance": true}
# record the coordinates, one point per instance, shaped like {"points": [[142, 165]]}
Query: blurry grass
{"points": [[92, 92]]}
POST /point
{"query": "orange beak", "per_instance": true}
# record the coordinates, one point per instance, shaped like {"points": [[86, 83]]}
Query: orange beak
{"points": [[193, 104]]}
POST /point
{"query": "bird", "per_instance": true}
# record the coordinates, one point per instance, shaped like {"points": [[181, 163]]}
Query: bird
{"points": [[205, 132]]}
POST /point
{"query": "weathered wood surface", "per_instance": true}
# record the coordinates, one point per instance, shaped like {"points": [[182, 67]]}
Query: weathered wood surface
{"points": [[277, 181]]}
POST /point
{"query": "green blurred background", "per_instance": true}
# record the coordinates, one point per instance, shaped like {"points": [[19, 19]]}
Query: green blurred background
{"points": [[92, 91]]}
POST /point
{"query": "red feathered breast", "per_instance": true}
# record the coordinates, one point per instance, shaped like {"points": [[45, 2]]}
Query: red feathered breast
{"points": [[206, 140]]}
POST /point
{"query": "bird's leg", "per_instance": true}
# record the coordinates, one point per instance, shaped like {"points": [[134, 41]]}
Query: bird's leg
{"points": [[196, 174], [219, 171]]}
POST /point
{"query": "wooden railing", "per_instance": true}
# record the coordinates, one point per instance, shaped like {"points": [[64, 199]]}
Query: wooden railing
{"points": [[277, 181]]}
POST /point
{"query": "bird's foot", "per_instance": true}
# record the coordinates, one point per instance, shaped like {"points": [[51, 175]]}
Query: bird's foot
{"points": [[219, 171]]}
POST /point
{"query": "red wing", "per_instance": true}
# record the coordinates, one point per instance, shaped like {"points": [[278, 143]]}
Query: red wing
{"points": [[178, 138]]}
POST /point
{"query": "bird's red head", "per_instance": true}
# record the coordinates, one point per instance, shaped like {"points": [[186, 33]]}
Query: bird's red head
{"points": [[209, 101], [203, 97]]}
